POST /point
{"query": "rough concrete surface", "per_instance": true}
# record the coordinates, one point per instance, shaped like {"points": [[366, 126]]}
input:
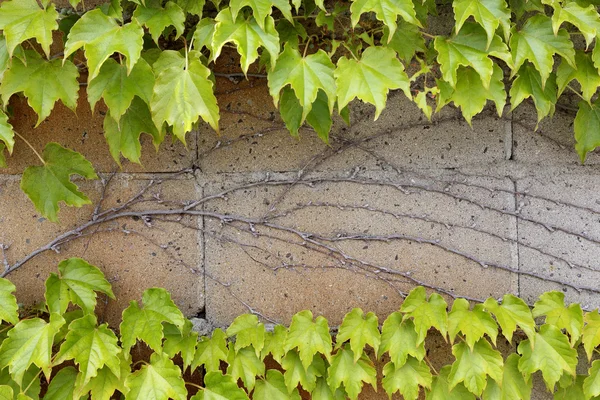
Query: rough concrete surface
{"points": [[285, 224]]}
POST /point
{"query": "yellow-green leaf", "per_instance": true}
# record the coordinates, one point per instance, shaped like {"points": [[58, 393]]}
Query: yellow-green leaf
{"points": [[586, 19], [159, 380], [157, 18], [529, 84], [591, 332], [552, 306], [352, 375], [245, 365], [441, 390], [488, 13], [220, 387], [473, 324], [273, 388], [425, 313], [248, 331], [406, 379], [387, 11], [25, 19], [210, 352], [514, 386], [399, 339], [472, 367], [309, 337], [360, 330], [9, 310]]}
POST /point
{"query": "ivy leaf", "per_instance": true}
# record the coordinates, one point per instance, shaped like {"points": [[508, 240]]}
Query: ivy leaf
{"points": [[7, 134], [511, 313], [50, 184], [585, 73], [406, 41], [247, 35], [91, 346], [273, 388], [591, 384], [180, 342], [203, 35], [371, 78], [42, 82], [470, 49], [101, 36], [529, 84], [261, 9], [308, 337], [473, 324], [245, 365], [360, 330], [552, 306], [473, 366], [2, 156], [30, 385], [157, 19], [441, 390], [192, 6], [406, 379], [146, 323], [386, 11], [248, 331], [105, 383], [25, 19], [182, 94], [124, 137], [9, 310], [537, 42], [514, 386], [159, 380], [591, 332], [30, 342], [323, 392], [305, 75], [551, 354], [488, 13], [274, 343], [319, 116], [586, 19], [399, 339], [62, 385], [6, 393], [587, 128], [118, 87], [294, 371], [344, 370], [112, 9], [210, 352], [574, 391], [219, 387], [425, 314], [76, 283]]}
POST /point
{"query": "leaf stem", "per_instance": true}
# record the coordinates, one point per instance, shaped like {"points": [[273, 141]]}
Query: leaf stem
{"points": [[306, 46], [428, 361], [194, 385], [428, 35], [576, 92], [30, 146], [32, 380]]}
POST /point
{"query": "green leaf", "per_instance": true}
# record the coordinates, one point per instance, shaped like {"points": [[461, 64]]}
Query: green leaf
{"points": [[323, 392], [296, 373], [551, 354], [472, 367], [210, 352], [591, 384], [146, 323], [273, 388], [291, 32], [76, 283], [552, 306], [248, 331], [247, 35], [105, 383], [159, 380], [586, 19], [203, 35], [2, 156], [25, 19], [101, 36], [406, 41], [308, 337], [591, 332], [305, 75], [245, 365], [360, 330], [529, 84], [585, 73], [370, 78], [62, 385], [30, 342], [192, 6], [513, 387], [157, 19], [319, 116], [441, 390], [7, 135], [124, 137], [30, 384], [181, 342], [220, 387], [425, 314], [261, 9], [6, 393], [587, 128], [575, 391], [182, 94], [344, 370], [470, 48], [386, 11], [537, 42], [42, 82], [488, 13], [407, 379], [9, 310], [473, 324], [112, 9], [274, 343], [399, 339], [118, 87], [50, 184], [91, 346], [511, 313]]}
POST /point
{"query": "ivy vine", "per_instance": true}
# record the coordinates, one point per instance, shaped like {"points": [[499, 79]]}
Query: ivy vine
{"points": [[150, 62]]}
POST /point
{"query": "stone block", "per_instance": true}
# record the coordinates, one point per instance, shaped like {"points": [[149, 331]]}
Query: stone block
{"points": [[133, 254]]}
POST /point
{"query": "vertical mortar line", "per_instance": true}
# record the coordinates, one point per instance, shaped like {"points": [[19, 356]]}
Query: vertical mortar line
{"points": [[514, 181], [201, 236], [509, 147]]}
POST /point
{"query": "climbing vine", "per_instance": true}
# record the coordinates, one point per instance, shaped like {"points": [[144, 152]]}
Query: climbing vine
{"points": [[61, 351], [151, 62]]}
